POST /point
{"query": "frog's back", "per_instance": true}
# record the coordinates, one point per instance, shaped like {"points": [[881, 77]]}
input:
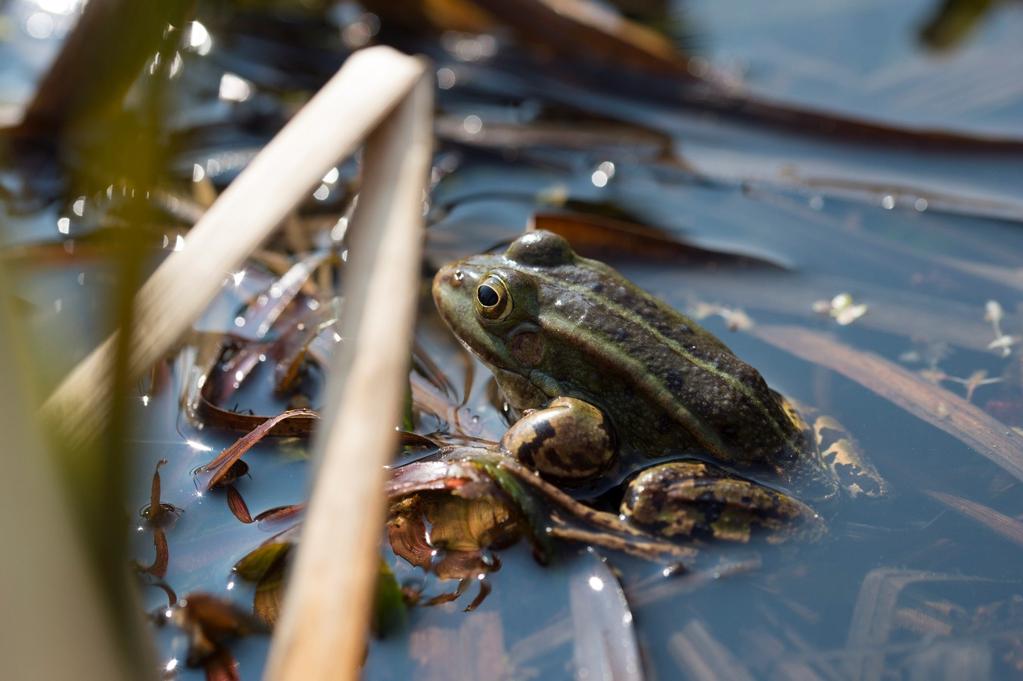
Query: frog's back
{"points": [[667, 383]]}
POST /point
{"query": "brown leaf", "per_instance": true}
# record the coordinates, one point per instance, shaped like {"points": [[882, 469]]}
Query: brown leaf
{"points": [[564, 25], [158, 513], [159, 566], [221, 666], [1007, 526], [218, 468], [608, 238], [279, 513], [237, 505], [211, 622], [939, 407], [269, 596]]}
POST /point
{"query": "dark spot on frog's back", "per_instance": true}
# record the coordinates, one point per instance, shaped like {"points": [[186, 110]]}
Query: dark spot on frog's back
{"points": [[540, 249]]}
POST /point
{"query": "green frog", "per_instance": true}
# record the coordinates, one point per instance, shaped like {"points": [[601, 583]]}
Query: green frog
{"points": [[606, 376]]}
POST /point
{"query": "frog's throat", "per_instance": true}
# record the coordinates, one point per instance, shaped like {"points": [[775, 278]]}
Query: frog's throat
{"points": [[522, 392]]}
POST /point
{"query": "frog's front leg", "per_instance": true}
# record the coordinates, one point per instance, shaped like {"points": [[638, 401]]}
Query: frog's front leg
{"points": [[567, 442], [697, 500]]}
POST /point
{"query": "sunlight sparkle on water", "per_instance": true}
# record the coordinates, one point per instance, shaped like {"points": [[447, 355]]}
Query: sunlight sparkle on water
{"points": [[472, 124], [596, 583], [78, 207], [234, 88], [604, 172], [199, 38], [446, 78], [179, 243], [40, 25], [64, 225], [198, 446], [238, 277]]}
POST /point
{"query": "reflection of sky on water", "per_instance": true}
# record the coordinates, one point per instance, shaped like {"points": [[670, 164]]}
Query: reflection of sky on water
{"points": [[864, 58], [30, 34]]}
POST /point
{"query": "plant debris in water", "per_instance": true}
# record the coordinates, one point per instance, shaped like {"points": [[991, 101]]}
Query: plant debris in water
{"points": [[667, 161]]}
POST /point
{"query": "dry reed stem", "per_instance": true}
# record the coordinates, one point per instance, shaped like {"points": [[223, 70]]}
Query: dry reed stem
{"points": [[322, 630], [327, 129]]}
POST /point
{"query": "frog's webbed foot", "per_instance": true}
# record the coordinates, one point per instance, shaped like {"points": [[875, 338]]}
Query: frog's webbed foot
{"points": [[844, 458], [694, 499], [837, 452]]}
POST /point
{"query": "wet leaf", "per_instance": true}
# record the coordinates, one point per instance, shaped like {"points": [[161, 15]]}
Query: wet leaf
{"points": [[159, 566], [563, 25], [616, 239], [202, 393], [293, 348], [221, 666], [210, 623], [157, 512], [269, 596], [236, 503], [218, 469], [280, 514], [258, 562], [1006, 526], [266, 309]]}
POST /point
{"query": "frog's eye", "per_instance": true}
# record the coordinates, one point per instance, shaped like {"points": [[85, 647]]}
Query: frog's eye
{"points": [[492, 300]]}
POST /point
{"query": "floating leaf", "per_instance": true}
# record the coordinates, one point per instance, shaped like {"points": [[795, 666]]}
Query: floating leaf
{"points": [[157, 512], [211, 622], [1008, 527], [256, 563], [615, 237], [159, 566], [269, 596], [237, 504], [221, 666], [218, 468]]}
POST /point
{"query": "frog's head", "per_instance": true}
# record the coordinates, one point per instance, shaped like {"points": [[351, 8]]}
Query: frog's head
{"points": [[490, 304]]}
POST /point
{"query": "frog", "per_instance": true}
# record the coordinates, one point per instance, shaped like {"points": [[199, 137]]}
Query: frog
{"points": [[607, 377]]}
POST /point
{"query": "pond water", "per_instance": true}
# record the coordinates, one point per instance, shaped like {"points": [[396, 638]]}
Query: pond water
{"points": [[849, 191]]}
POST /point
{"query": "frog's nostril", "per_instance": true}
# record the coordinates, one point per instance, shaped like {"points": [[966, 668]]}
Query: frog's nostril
{"points": [[456, 278]]}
